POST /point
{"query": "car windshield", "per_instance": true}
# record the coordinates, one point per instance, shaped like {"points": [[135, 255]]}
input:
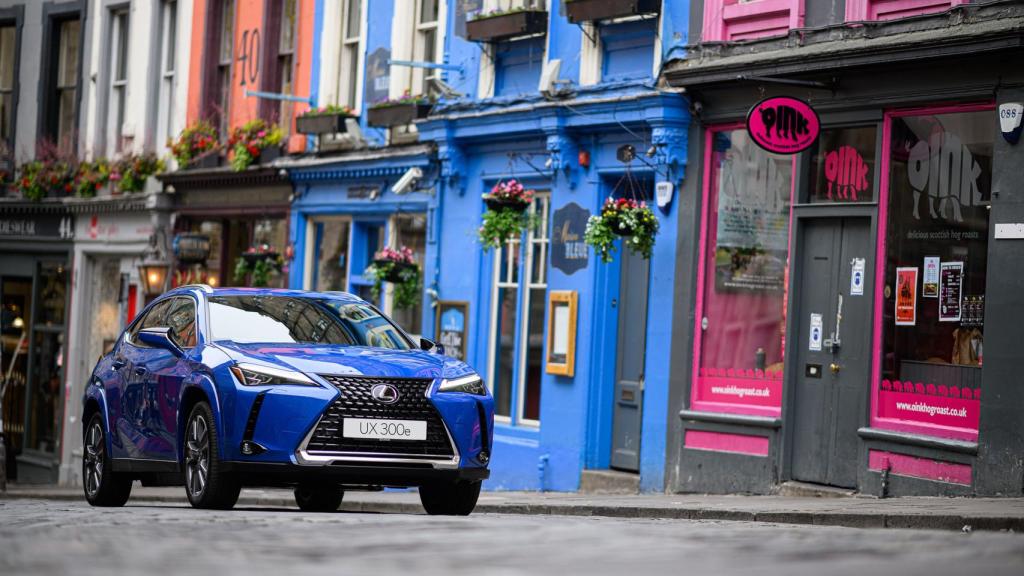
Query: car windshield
{"points": [[291, 320]]}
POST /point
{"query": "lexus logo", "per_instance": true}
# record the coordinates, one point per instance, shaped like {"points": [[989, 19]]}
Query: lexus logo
{"points": [[384, 393]]}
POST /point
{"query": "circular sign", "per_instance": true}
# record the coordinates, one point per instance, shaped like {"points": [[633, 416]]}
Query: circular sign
{"points": [[783, 125]]}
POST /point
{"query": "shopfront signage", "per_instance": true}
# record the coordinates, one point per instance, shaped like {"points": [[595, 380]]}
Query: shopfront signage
{"points": [[783, 125], [60, 227], [857, 277], [452, 327], [363, 192], [1010, 116], [191, 248], [569, 252], [951, 278]]}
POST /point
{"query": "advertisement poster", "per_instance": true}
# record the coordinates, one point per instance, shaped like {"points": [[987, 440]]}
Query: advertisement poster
{"points": [[816, 331], [857, 277], [951, 278], [451, 327], [906, 296], [930, 282]]}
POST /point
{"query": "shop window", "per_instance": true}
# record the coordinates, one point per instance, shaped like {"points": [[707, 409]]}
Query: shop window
{"points": [[8, 67], [731, 20], [410, 231], [15, 315], [517, 320], [367, 239], [118, 96], [60, 120], [331, 238], [860, 10], [418, 36], [168, 66], [46, 358], [627, 49], [843, 166], [742, 310], [935, 257]]}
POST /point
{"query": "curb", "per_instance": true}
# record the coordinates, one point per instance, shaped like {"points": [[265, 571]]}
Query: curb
{"points": [[955, 522]]}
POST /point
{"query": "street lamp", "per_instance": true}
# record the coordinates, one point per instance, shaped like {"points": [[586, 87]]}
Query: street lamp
{"points": [[154, 269]]}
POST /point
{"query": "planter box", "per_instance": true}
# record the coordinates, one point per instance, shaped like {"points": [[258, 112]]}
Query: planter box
{"points": [[505, 26], [497, 204], [591, 10], [397, 114], [321, 124], [268, 155], [206, 161]]}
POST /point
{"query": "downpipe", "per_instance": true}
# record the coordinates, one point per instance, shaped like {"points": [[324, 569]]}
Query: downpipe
{"points": [[542, 468]]}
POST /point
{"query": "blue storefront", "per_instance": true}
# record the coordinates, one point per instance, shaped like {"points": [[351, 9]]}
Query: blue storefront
{"points": [[590, 393], [567, 145]]}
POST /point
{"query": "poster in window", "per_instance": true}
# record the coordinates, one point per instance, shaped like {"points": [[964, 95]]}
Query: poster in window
{"points": [[906, 296], [451, 327], [752, 228], [930, 282], [951, 278], [378, 75], [561, 352]]}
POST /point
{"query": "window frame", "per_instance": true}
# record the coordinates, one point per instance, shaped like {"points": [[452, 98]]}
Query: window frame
{"points": [[216, 101], [861, 10], [47, 119], [167, 65], [14, 17], [118, 48], [718, 14], [524, 284], [312, 259], [487, 74], [349, 86]]}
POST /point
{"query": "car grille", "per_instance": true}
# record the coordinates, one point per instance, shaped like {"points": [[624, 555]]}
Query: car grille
{"points": [[356, 402]]}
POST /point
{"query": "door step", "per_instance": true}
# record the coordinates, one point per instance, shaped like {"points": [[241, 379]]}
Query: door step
{"points": [[808, 490], [609, 482]]}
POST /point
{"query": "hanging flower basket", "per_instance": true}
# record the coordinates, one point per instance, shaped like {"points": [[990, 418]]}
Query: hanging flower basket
{"points": [[633, 221], [260, 261], [506, 215], [399, 268]]}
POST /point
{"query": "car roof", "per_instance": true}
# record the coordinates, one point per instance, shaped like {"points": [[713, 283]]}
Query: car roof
{"points": [[342, 296]]}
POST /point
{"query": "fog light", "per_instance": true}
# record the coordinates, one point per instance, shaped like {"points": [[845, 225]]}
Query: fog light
{"points": [[483, 457], [250, 448]]}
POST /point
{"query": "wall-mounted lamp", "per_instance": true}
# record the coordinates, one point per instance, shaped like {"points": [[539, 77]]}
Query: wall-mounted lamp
{"points": [[154, 269]]}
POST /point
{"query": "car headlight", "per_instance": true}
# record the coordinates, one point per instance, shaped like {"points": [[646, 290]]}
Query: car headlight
{"points": [[253, 375], [471, 384]]}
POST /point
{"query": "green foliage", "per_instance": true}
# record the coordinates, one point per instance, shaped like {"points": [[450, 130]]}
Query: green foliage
{"points": [[499, 226], [91, 176], [633, 221], [249, 139], [194, 141], [260, 269], [406, 289], [131, 171]]}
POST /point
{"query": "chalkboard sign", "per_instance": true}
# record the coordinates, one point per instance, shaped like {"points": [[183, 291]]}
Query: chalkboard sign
{"points": [[452, 327], [569, 253]]}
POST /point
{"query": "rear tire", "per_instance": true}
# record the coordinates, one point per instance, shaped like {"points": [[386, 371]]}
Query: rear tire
{"points": [[103, 486], [452, 499], [318, 497], [207, 484]]}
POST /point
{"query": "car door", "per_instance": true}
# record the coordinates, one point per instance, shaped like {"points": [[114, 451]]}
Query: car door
{"points": [[129, 422], [166, 373]]}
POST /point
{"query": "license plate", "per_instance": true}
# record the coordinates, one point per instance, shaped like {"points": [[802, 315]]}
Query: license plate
{"points": [[384, 429]]}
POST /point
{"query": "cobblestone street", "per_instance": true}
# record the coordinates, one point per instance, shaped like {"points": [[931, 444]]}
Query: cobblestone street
{"points": [[57, 537]]}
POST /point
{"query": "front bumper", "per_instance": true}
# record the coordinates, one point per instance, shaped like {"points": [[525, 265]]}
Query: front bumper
{"points": [[375, 475]]}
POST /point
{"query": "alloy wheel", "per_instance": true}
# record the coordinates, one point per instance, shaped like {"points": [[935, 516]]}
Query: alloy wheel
{"points": [[92, 465], [197, 456]]}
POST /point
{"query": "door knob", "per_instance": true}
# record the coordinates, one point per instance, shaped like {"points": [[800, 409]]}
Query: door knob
{"points": [[834, 368]]}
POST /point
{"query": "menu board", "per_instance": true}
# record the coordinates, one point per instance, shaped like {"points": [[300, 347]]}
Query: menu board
{"points": [[452, 327], [951, 278]]}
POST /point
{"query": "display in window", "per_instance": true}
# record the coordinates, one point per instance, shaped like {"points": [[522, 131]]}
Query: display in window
{"points": [[906, 296], [843, 166], [951, 277], [930, 284]]}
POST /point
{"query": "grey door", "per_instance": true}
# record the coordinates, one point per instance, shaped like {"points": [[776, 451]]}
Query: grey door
{"points": [[629, 362], [831, 383]]}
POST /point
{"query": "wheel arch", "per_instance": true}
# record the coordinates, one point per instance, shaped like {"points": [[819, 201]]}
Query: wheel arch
{"points": [[193, 394]]}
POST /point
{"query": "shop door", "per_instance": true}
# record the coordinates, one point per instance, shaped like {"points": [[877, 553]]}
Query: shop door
{"points": [[833, 349], [629, 362]]}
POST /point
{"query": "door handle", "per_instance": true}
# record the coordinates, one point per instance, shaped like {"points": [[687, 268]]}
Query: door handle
{"points": [[118, 363], [834, 367], [141, 371]]}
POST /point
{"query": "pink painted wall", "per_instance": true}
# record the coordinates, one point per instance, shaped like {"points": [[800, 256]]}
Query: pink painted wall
{"points": [[927, 469], [724, 442]]}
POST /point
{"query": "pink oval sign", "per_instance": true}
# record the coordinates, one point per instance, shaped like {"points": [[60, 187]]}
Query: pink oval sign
{"points": [[783, 125]]}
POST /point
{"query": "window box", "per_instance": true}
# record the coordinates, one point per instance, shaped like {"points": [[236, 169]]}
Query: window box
{"points": [[269, 154], [397, 114], [321, 123], [591, 10], [206, 161], [508, 25]]}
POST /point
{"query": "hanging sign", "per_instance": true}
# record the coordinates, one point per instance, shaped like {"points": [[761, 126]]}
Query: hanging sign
{"points": [[569, 252], [951, 278], [814, 343], [857, 277], [906, 296], [783, 125], [451, 327]]}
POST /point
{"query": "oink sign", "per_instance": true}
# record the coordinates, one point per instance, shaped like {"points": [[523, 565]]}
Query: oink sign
{"points": [[783, 125]]}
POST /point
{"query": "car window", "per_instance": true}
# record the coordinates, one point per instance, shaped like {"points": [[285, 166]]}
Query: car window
{"points": [[153, 319], [291, 320], [181, 319]]}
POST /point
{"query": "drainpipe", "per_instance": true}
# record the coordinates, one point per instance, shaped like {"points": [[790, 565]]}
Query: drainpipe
{"points": [[542, 467]]}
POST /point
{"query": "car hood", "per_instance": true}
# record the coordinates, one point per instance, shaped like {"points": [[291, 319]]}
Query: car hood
{"points": [[350, 360]]}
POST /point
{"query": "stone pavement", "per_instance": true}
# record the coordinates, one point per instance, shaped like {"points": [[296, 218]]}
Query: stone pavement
{"points": [[857, 512]]}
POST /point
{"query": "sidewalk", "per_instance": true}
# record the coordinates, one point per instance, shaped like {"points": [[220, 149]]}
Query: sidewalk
{"points": [[910, 512]]}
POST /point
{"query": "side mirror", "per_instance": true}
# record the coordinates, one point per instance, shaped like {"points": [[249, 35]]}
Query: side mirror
{"points": [[428, 345], [160, 338]]}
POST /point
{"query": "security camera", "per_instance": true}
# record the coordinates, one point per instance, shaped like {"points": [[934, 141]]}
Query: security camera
{"points": [[444, 89], [550, 86], [407, 181]]}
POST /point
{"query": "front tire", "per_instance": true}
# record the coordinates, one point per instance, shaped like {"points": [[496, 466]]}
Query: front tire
{"points": [[453, 499], [318, 497], [207, 484], [103, 486]]}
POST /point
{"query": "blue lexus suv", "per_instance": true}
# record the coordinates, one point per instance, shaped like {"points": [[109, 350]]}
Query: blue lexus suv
{"points": [[320, 392]]}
